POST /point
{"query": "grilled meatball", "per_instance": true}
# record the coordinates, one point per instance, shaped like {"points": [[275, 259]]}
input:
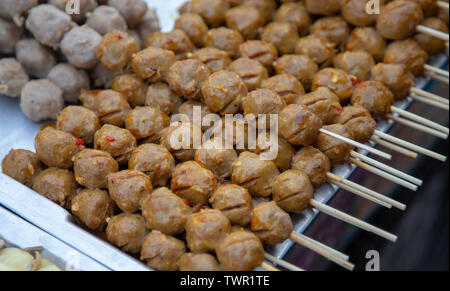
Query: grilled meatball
{"points": [[132, 87], [373, 96], [21, 165], [162, 252], [194, 27], [126, 231], [187, 109], [206, 230], [105, 19], [119, 142], [153, 63], [369, 40], [193, 182], [254, 174], [198, 262], [12, 77], [399, 19], [13, 9], [149, 23], [263, 101], [57, 185], [296, 13], [267, 142], [322, 7], [298, 125], [166, 212], [265, 7], [250, 71], [334, 28], [338, 81], [407, 52], [93, 208], [155, 161], [317, 48], [336, 150], [354, 11], [133, 11], [79, 121], [117, 49], [56, 148], [35, 58], [292, 191], [70, 80], [240, 251], [359, 121], [80, 46], [286, 86], [234, 202], [357, 63], [282, 35], [175, 40], [215, 59], [299, 66], [160, 96], [260, 51], [146, 123], [270, 223], [86, 6], [246, 19], [225, 39], [429, 7], [323, 103], [396, 77], [236, 133], [92, 168], [313, 163], [212, 11], [216, 157], [181, 140], [432, 45], [186, 77]]}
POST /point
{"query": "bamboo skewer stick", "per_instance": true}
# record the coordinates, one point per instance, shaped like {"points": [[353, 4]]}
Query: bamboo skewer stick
{"points": [[394, 147], [430, 102], [361, 194], [432, 32], [436, 70], [429, 95], [437, 77], [442, 4], [282, 263], [417, 126], [325, 247], [352, 220], [419, 119], [268, 267]]}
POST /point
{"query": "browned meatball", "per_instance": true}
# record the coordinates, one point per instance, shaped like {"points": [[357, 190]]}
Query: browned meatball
{"points": [[296, 13], [198, 262], [176, 41], [260, 51], [181, 139], [430, 44], [56, 148], [116, 50], [407, 52], [160, 96], [147, 123], [250, 71], [225, 39], [92, 168], [338, 81], [286, 86], [298, 125], [132, 87], [240, 251], [317, 48], [57, 185], [212, 11], [246, 19], [323, 7], [235, 203], [399, 19], [236, 133], [223, 92], [299, 66], [359, 121], [373, 96], [266, 7], [162, 252], [354, 11], [21, 165], [215, 59], [282, 35], [153, 63], [188, 107], [429, 7], [126, 231], [194, 27], [166, 212], [334, 28], [206, 230], [396, 77], [323, 103], [186, 78], [79, 121], [155, 161], [293, 191], [270, 223], [119, 142], [369, 40], [254, 174], [216, 157], [263, 101], [357, 63], [313, 163], [335, 149], [93, 208], [267, 143]]}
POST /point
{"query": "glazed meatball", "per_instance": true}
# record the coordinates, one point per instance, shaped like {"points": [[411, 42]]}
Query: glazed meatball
{"points": [[292, 191], [240, 251], [396, 77], [432, 45], [216, 157], [176, 41], [299, 66], [215, 59], [166, 212], [245, 19], [313, 163], [9, 35], [298, 125], [116, 50], [48, 24], [57, 185], [336, 150], [119, 142], [79, 121], [323, 103], [181, 139], [153, 160], [338, 81], [146, 122], [149, 23], [132, 87], [132, 10], [186, 77], [57, 148], [357, 63], [399, 19], [105, 19], [70, 80], [254, 174], [212, 11], [80, 46], [334, 28], [160, 96], [93, 208], [407, 52], [21, 165], [206, 230], [282, 35], [35, 58], [286, 86], [153, 63], [354, 11], [13, 9], [373, 96], [92, 168], [429, 7], [250, 71], [224, 39], [265, 7], [188, 107], [267, 142], [369, 40], [223, 92], [322, 7], [193, 182], [295, 13], [263, 101], [162, 252], [359, 121], [234, 202], [317, 48], [260, 51], [126, 231], [198, 262], [194, 27], [12, 77]]}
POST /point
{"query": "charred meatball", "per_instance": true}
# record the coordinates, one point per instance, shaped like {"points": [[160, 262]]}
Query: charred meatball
{"points": [[359, 121], [313, 163], [22, 165], [234, 202], [79, 121], [323, 103], [250, 71], [126, 231], [92, 168], [93, 208], [119, 142], [260, 51]]}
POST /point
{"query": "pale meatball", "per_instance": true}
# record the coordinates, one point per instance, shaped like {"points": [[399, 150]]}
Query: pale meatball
{"points": [[105, 19], [12, 77], [70, 80], [80, 46], [37, 59]]}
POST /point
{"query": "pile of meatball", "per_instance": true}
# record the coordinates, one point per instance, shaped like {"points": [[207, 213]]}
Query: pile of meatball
{"points": [[110, 157]]}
